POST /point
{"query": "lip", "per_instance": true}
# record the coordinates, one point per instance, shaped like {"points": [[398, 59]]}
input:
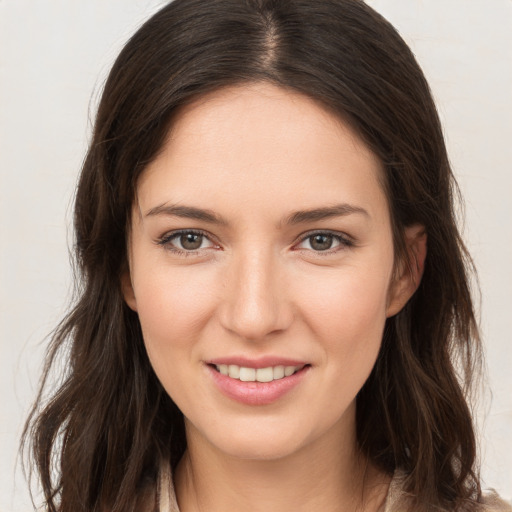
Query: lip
{"points": [[256, 393], [260, 362]]}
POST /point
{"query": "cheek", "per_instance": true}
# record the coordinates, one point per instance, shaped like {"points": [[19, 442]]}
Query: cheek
{"points": [[173, 308], [170, 298], [347, 321], [348, 315], [351, 298]]}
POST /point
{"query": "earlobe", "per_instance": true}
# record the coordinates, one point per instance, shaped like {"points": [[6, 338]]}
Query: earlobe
{"points": [[127, 290], [407, 282]]}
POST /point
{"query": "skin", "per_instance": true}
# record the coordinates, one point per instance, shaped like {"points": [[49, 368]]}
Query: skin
{"points": [[257, 285]]}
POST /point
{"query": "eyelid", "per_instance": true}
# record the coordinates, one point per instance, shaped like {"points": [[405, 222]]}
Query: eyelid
{"points": [[344, 240], [165, 239]]}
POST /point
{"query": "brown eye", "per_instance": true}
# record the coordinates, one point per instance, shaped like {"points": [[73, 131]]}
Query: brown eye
{"points": [[325, 242], [186, 242], [191, 241], [321, 242]]}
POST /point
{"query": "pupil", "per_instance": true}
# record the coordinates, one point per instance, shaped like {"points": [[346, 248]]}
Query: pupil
{"points": [[321, 242], [191, 241]]}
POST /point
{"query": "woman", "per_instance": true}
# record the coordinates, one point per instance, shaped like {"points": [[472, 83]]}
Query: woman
{"points": [[274, 294]]}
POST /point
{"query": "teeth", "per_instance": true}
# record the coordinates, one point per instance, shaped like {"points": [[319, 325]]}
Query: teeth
{"points": [[234, 371], [246, 374], [265, 374], [289, 370], [278, 372]]}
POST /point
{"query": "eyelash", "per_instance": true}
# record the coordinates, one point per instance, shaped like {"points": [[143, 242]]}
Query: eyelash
{"points": [[344, 241], [165, 240]]}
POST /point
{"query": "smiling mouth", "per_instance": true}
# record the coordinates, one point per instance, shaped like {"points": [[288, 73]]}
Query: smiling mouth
{"points": [[246, 374]]}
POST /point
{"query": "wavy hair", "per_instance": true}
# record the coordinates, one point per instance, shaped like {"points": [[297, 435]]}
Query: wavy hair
{"points": [[98, 439]]}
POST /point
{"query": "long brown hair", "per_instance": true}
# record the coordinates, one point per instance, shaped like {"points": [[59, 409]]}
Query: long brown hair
{"points": [[103, 433]]}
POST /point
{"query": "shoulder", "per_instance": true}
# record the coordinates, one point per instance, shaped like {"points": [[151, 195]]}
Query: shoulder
{"points": [[493, 503], [398, 499]]}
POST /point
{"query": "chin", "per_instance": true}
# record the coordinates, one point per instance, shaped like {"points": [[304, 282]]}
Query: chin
{"points": [[255, 439], [260, 447]]}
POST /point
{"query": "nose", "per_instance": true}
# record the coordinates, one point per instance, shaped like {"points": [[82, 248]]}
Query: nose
{"points": [[255, 304]]}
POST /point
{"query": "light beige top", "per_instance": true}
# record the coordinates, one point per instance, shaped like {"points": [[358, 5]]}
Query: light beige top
{"points": [[396, 500]]}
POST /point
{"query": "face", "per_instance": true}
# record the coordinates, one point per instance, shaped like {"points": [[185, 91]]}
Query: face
{"points": [[261, 263]]}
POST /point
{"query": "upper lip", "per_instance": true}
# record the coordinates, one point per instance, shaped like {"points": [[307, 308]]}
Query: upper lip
{"points": [[260, 362]]}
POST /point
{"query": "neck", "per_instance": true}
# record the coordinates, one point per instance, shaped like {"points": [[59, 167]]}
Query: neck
{"points": [[316, 477]]}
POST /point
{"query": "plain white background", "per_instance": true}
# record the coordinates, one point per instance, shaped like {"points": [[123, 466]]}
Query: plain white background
{"points": [[54, 55]]}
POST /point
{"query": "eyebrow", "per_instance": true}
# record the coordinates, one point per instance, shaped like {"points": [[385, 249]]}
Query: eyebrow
{"points": [[294, 218]]}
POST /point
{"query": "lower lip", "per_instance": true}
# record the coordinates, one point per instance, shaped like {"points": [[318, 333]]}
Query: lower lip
{"points": [[256, 393]]}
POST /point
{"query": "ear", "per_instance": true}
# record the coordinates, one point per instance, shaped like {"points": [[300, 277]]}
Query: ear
{"points": [[411, 271], [127, 289]]}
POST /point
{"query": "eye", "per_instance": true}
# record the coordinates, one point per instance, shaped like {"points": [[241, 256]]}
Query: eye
{"points": [[325, 242], [186, 241]]}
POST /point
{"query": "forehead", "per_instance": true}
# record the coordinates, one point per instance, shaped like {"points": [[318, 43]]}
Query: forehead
{"points": [[259, 142], [259, 111]]}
